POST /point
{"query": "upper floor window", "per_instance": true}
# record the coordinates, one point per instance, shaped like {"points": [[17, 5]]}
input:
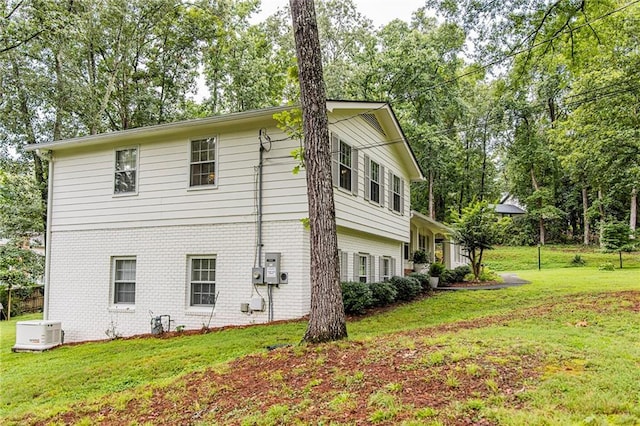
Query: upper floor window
{"points": [[344, 165], [396, 197], [373, 181], [202, 166], [124, 280], [125, 171]]}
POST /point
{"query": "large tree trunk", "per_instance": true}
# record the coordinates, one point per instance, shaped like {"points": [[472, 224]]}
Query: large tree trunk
{"points": [[326, 317], [585, 208], [633, 219]]}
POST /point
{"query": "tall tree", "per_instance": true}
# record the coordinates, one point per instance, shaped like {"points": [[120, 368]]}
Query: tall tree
{"points": [[326, 317]]}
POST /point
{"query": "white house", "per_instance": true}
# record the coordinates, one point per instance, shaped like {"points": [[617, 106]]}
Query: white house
{"points": [[177, 220], [435, 238]]}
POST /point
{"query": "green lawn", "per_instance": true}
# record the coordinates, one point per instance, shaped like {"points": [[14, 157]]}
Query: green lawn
{"points": [[554, 256], [592, 374]]}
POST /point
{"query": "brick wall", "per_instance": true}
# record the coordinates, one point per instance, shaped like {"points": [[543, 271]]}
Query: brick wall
{"points": [[80, 287]]}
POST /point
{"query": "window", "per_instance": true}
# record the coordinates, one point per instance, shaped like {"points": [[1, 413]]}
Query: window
{"points": [[344, 168], [202, 281], [373, 181], [125, 171], [362, 268], [124, 281], [422, 242], [203, 162], [396, 190], [385, 269]]}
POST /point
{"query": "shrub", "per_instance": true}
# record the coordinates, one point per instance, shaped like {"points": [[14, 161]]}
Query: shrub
{"points": [[607, 266], [420, 256], [487, 274], [383, 293], [436, 269], [423, 279], [577, 261], [357, 297], [408, 288], [456, 275]]}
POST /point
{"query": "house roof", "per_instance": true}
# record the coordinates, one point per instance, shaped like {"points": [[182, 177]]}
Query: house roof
{"points": [[384, 116], [434, 225], [508, 209]]}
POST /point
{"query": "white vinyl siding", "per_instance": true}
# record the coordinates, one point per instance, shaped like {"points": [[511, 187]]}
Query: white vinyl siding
{"points": [[202, 281], [126, 171], [202, 165], [124, 280]]}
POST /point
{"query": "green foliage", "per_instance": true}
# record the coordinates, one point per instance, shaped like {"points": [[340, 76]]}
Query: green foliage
{"points": [[20, 204], [383, 293], [436, 269], [455, 275], [615, 237], [420, 256], [423, 279], [408, 288], [477, 229], [356, 297], [607, 266], [577, 261]]}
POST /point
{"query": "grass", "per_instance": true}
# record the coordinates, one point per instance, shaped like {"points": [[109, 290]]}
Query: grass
{"points": [[591, 373], [554, 256]]}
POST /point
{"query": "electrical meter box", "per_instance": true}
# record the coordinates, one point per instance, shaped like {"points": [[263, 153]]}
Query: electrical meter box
{"points": [[272, 268]]}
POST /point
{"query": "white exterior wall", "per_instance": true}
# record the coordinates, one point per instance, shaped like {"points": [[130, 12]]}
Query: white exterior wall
{"points": [[165, 221], [354, 242], [353, 211], [81, 292]]}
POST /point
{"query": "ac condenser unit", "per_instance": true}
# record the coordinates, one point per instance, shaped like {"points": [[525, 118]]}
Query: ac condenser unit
{"points": [[37, 335]]}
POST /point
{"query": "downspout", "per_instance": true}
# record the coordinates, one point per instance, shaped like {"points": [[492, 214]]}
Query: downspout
{"points": [[47, 156]]}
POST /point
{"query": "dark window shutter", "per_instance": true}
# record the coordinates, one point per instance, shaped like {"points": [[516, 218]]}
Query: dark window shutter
{"points": [[356, 267], [354, 171], [382, 177], [335, 159], [367, 177], [390, 191], [401, 196]]}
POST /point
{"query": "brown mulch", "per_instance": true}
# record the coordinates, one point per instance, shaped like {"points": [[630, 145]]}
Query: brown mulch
{"points": [[347, 382]]}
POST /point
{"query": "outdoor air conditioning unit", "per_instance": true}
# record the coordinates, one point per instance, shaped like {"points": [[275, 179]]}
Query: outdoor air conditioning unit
{"points": [[37, 335]]}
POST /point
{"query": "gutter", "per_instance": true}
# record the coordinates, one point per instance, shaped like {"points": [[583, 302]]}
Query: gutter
{"points": [[47, 156]]}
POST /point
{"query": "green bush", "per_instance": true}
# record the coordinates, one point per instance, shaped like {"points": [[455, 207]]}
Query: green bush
{"points": [[436, 269], [383, 293], [606, 266], [487, 274], [357, 297], [423, 279], [456, 275], [577, 261], [408, 288]]}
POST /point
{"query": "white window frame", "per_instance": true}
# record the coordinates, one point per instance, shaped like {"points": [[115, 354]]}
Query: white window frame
{"points": [[191, 281], [370, 183], [396, 192], [215, 162], [338, 165], [344, 167], [135, 170], [385, 268], [363, 262], [115, 282]]}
